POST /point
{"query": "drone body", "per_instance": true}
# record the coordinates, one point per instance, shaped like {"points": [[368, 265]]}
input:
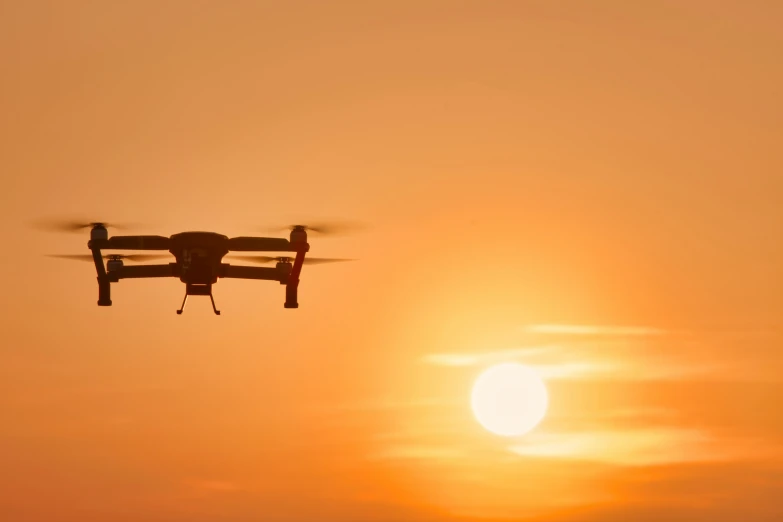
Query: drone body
{"points": [[198, 260]]}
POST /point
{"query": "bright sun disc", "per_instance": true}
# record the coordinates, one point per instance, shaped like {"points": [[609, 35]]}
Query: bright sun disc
{"points": [[509, 399]]}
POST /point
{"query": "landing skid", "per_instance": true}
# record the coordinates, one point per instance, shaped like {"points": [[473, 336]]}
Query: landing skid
{"points": [[198, 290]]}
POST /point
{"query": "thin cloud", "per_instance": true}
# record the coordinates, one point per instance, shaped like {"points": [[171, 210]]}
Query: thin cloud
{"points": [[551, 362], [594, 330], [639, 447], [631, 447], [577, 370], [634, 415], [475, 359], [619, 359]]}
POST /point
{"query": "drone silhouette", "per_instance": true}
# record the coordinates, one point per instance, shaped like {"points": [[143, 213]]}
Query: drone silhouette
{"points": [[198, 258]]}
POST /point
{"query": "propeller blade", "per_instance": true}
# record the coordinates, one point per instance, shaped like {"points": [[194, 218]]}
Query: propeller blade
{"points": [[324, 260], [322, 228], [308, 260], [139, 257], [65, 225], [256, 259], [73, 257], [128, 257]]}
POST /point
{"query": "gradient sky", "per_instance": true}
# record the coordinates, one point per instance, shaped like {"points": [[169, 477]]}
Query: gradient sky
{"points": [[591, 188]]}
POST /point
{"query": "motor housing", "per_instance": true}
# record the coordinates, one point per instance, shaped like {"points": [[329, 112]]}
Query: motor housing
{"points": [[298, 235], [99, 232], [114, 264], [285, 266]]}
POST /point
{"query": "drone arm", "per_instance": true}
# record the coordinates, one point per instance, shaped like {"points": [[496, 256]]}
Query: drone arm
{"points": [[131, 243], [251, 272], [142, 271], [261, 244]]}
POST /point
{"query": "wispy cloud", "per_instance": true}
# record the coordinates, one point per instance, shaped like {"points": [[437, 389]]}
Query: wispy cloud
{"points": [[474, 359], [552, 362], [600, 352], [577, 370], [639, 447], [632, 446], [593, 330], [645, 414]]}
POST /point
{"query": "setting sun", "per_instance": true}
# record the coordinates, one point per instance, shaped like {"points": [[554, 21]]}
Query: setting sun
{"points": [[509, 399]]}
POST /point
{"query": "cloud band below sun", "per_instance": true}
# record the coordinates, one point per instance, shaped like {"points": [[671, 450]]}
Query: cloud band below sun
{"points": [[593, 330]]}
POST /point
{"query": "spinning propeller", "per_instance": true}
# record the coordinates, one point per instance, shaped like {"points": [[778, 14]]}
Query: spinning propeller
{"points": [[323, 228], [308, 260], [125, 257], [60, 225]]}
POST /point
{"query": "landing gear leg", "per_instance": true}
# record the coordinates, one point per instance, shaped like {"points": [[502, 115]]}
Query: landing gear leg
{"points": [[292, 284], [217, 312], [104, 291], [291, 295], [182, 308]]}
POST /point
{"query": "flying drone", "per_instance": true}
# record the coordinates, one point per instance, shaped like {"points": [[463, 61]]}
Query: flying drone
{"points": [[198, 258]]}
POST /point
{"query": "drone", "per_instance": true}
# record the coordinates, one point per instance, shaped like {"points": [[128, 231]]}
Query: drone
{"points": [[198, 258]]}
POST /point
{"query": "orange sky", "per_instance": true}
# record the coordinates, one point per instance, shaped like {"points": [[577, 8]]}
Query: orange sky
{"points": [[591, 188]]}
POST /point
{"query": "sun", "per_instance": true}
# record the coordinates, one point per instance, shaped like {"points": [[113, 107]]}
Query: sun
{"points": [[509, 399]]}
